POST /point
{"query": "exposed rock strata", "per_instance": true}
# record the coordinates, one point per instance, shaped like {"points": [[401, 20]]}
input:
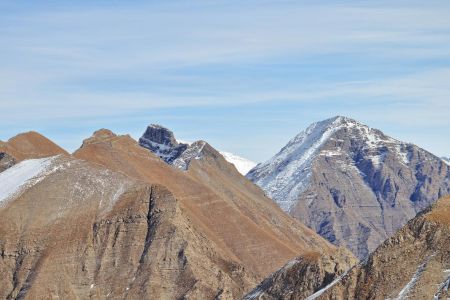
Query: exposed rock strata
{"points": [[412, 264]]}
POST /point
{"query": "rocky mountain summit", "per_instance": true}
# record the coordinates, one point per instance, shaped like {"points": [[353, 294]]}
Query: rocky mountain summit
{"points": [[352, 184], [25, 146], [162, 142], [412, 264]]}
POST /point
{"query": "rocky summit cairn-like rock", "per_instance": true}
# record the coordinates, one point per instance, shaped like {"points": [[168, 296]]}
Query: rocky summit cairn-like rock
{"points": [[352, 184], [162, 142]]}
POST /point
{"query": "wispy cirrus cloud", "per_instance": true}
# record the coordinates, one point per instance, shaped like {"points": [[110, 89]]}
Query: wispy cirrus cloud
{"points": [[90, 60]]}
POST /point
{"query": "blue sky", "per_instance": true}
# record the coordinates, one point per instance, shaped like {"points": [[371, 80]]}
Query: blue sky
{"points": [[244, 75]]}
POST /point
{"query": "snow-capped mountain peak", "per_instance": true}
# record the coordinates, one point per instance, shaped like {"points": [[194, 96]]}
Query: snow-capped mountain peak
{"points": [[243, 165], [340, 163], [285, 176]]}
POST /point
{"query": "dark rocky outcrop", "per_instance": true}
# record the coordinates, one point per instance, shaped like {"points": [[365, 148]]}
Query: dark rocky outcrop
{"points": [[6, 161], [302, 277], [162, 142], [412, 264]]}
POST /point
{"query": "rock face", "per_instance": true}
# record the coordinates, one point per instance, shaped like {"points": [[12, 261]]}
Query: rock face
{"points": [[352, 184], [239, 227], [302, 277], [6, 161], [162, 142], [413, 264]]}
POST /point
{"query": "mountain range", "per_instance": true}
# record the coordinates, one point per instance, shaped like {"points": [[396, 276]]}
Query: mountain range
{"points": [[160, 218], [352, 184]]}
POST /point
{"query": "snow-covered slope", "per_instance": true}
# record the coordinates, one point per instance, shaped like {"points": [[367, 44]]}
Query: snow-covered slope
{"points": [[24, 174], [285, 176], [351, 183], [243, 165]]}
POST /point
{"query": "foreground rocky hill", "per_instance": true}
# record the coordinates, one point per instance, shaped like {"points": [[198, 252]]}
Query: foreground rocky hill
{"points": [[70, 229], [352, 184], [300, 277], [250, 236], [413, 264]]}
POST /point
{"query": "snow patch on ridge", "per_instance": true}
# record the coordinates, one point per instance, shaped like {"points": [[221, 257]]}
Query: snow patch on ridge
{"points": [[443, 287], [194, 151], [22, 175], [412, 283], [323, 290], [243, 165]]}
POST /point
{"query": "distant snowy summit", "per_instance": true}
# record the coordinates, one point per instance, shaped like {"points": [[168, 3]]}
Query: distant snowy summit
{"points": [[163, 143], [351, 183], [243, 165]]}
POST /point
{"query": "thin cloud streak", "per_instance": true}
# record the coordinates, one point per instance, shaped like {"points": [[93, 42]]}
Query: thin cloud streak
{"points": [[78, 62]]}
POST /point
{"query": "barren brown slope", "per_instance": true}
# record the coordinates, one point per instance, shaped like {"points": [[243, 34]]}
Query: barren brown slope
{"points": [[30, 145], [77, 230], [230, 211]]}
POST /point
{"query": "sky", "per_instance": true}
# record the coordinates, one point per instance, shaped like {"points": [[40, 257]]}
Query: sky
{"points": [[246, 76]]}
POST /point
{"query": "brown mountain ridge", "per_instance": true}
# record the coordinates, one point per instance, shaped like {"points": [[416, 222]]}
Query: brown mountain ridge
{"points": [[115, 221]]}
